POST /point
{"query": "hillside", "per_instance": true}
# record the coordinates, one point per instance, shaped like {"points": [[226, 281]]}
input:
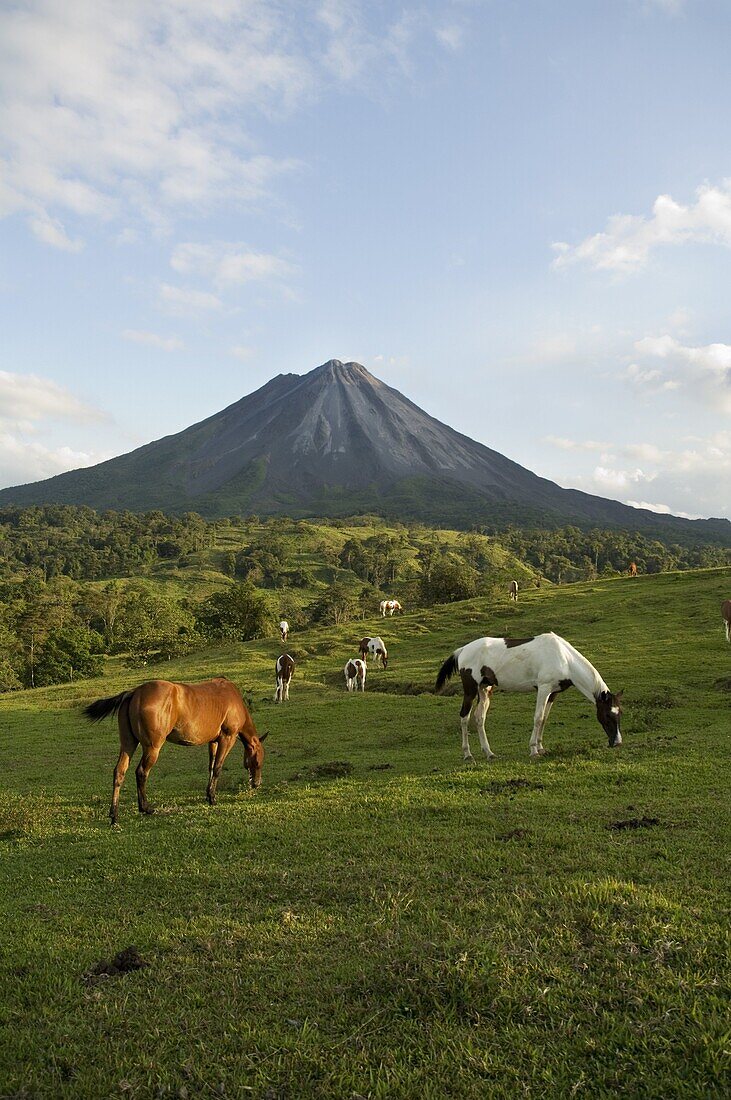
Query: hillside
{"points": [[379, 919], [334, 442]]}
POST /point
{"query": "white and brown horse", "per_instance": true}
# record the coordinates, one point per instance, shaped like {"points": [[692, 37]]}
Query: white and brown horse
{"points": [[726, 615], [283, 669], [375, 648], [355, 674], [211, 713], [389, 607], [284, 629], [546, 664], [514, 591]]}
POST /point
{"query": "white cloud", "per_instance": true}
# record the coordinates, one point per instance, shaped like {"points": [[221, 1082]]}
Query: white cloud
{"points": [[615, 479], [451, 36], [661, 509], [183, 300], [696, 478], [50, 231], [27, 404], [26, 398], [703, 371], [241, 351], [229, 263], [139, 110], [626, 243], [164, 343], [22, 461], [575, 445]]}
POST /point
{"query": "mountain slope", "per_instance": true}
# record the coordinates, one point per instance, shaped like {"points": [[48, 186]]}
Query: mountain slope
{"points": [[333, 442]]}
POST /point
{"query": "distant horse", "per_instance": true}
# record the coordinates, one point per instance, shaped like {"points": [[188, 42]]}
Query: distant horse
{"points": [[211, 713], [375, 648], [514, 591], [632, 571], [546, 663], [726, 614], [389, 607], [284, 670], [355, 673], [284, 629]]}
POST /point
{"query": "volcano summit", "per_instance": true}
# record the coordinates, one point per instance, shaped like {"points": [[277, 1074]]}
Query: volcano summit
{"points": [[334, 442]]}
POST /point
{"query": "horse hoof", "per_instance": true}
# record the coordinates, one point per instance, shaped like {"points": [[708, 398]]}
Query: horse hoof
{"points": [[469, 759], [490, 757], [148, 811], [535, 758]]}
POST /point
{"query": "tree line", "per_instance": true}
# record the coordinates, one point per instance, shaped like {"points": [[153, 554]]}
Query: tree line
{"points": [[77, 586]]}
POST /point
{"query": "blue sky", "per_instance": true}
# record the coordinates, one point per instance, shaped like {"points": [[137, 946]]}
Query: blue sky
{"points": [[518, 212]]}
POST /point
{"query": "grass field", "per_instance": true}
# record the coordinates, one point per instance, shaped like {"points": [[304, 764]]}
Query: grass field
{"points": [[380, 919]]}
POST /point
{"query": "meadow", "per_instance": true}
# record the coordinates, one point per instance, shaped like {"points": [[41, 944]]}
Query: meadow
{"points": [[381, 919]]}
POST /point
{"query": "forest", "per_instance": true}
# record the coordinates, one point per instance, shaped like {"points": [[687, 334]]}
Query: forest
{"points": [[79, 587]]}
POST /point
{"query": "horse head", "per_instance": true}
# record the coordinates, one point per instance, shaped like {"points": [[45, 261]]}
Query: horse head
{"points": [[254, 758], [608, 712]]}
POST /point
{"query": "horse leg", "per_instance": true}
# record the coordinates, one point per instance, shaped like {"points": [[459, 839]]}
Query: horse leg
{"points": [[225, 744], [150, 754], [127, 745], [544, 702], [212, 749], [464, 714], [483, 705], [286, 690], [278, 692]]}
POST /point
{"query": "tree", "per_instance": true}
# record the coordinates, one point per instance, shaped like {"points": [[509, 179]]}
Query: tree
{"points": [[337, 604], [449, 580], [150, 623], [68, 653], [239, 612]]}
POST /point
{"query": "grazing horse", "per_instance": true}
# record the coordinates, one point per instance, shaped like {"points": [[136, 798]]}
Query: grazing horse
{"points": [[211, 712], [514, 591], [284, 629], [546, 664], [355, 673], [375, 648], [390, 606], [632, 571], [726, 614], [284, 670]]}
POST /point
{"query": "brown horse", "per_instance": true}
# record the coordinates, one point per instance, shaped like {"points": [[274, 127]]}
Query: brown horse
{"points": [[632, 569], [211, 713]]}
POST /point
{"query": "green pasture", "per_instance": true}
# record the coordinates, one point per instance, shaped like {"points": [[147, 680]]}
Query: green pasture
{"points": [[380, 919]]}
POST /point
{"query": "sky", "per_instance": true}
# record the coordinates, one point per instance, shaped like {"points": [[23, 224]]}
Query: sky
{"points": [[516, 212]]}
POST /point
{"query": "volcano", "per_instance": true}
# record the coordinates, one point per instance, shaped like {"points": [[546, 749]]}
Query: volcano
{"points": [[335, 442]]}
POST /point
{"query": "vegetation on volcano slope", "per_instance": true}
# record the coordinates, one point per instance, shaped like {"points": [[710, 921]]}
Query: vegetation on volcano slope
{"points": [[379, 919]]}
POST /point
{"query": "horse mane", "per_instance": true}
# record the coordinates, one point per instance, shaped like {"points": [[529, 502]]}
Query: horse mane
{"points": [[447, 671]]}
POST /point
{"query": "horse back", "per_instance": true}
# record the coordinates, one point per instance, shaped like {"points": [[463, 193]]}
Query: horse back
{"points": [[201, 710]]}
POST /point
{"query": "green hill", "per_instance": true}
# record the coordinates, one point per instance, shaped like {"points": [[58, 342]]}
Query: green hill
{"points": [[380, 919]]}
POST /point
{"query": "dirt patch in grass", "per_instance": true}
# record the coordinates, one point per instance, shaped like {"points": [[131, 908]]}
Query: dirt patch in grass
{"points": [[723, 683], [124, 962], [511, 786], [634, 823], [514, 834], [379, 767], [333, 769]]}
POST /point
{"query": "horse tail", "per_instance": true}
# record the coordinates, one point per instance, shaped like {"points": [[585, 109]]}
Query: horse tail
{"points": [[447, 671], [100, 708]]}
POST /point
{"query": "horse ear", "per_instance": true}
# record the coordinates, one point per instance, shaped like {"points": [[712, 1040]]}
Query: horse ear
{"points": [[619, 694], [264, 736]]}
